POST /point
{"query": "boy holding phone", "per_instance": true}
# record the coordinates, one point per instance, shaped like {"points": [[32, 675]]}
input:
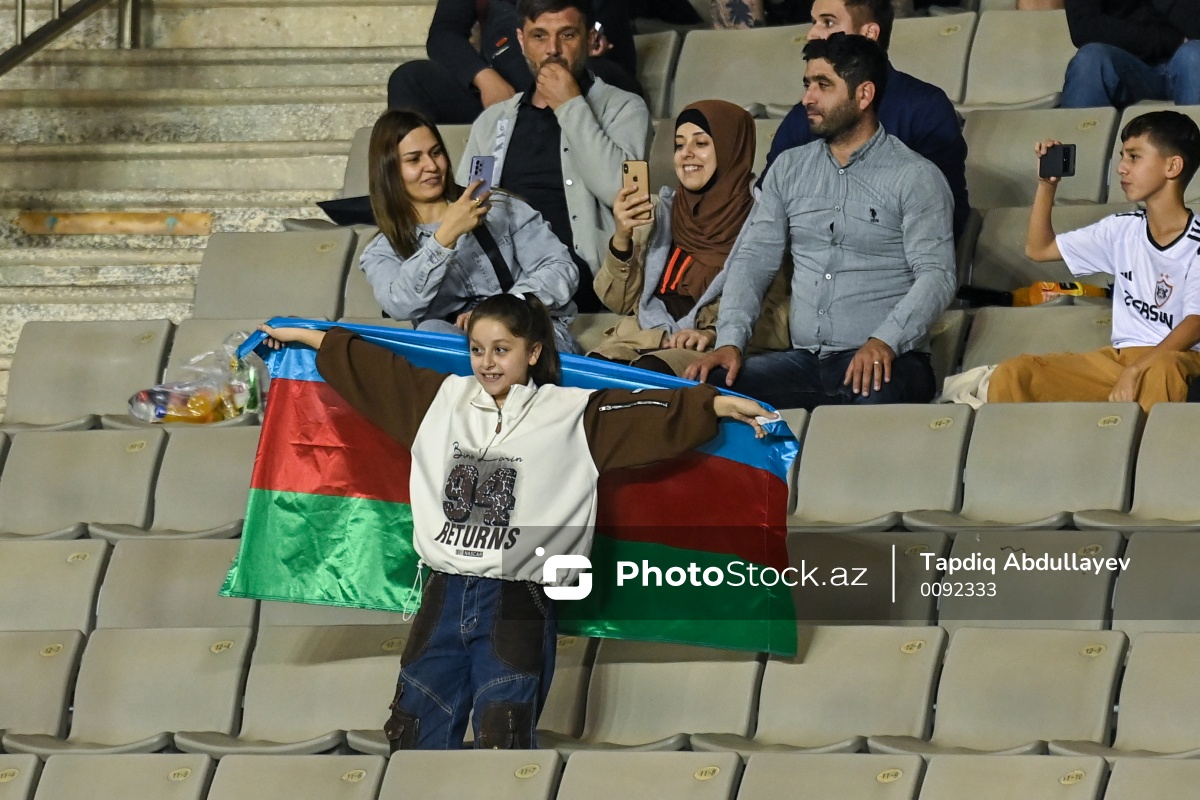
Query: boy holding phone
{"points": [[1152, 253]]}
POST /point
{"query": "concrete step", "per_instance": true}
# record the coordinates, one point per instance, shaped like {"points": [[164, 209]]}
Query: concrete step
{"points": [[234, 168], [97, 31], [209, 69], [275, 114]]}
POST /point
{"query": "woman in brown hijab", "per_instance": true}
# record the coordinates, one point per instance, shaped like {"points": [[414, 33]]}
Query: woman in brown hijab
{"points": [[666, 257]]}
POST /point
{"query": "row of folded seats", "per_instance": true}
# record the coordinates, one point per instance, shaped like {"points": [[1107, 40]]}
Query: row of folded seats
{"points": [[543, 775]]}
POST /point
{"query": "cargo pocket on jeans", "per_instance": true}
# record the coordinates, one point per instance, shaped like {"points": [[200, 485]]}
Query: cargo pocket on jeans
{"points": [[506, 726], [401, 727], [518, 634]]}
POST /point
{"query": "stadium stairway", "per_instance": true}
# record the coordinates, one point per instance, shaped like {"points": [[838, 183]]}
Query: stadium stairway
{"points": [[233, 116]]}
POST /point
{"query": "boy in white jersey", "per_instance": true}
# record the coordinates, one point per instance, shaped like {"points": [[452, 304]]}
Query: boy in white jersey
{"points": [[1154, 258]]}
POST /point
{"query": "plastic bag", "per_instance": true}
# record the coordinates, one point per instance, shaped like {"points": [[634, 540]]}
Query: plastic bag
{"points": [[218, 387]]}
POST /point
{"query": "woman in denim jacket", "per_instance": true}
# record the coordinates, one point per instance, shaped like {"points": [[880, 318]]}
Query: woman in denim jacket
{"points": [[430, 263]]}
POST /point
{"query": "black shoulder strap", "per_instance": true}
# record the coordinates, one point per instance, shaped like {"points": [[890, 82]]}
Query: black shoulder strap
{"points": [[488, 243]]}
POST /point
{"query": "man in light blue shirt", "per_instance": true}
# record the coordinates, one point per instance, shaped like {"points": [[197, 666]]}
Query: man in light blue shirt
{"points": [[869, 227]]}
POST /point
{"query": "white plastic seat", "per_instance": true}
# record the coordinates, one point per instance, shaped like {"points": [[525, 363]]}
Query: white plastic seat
{"points": [[18, 776], [775, 776], [177, 776], [50, 586], [275, 613], [454, 775], [1138, 778], [1025, 777], [656, 57], [138, 686], [39, 671], [1071, 456], [797, 422], [755, 67], [999, 333], [997, 79], [1156, 592], [846, 683], [935, 50], [663, 776], [292, 777], [1009, 691]]}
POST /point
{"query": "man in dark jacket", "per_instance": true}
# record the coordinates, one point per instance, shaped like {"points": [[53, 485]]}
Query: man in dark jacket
{"points": [[459, 81], [1133, 50]]}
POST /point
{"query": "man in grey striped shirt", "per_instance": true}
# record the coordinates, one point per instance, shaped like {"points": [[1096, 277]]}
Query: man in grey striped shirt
{"points": [[869, 225]]}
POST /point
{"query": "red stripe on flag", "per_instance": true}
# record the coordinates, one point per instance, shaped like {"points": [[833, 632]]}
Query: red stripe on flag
{"points": [[313, 442]]}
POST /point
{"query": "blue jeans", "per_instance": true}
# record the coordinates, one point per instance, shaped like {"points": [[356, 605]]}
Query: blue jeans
{"points": [[800, 379], [477, 643], [1103, 75]]}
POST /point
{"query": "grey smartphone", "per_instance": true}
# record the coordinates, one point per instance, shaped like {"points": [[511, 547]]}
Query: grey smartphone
{"points": [[637, 175], [1059, 162], [482, 169]]}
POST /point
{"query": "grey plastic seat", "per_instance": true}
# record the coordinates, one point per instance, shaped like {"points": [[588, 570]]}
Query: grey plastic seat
{"points": [[39, 671], [355, 183], [456, 138], [1157, 702], [1164, 496], [1026, 777], [454, 775], [1001, 165], [295, 273], [307, 687], [759, 66], [1115, 195], [137, 686], [66, 374], [947, 335], [1010, 691], [291, 777], [1157, 590], [775, 776], [1019, 594], [935, 50], [1137, 778], [178, 776], [797, 422], [642, 696], [274, 613], [161, 584], [1000, 261], [656, 56], [877, 445], [55, 484], [202, 486], [18, 776], [995, 79], [846, 683], [360, 305], [50, 586], [999, 333], [663, 776], [1031, 465]]}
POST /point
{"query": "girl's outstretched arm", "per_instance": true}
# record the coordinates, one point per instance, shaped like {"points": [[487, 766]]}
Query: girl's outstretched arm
{"points": [[278, 337], [743, 409]]}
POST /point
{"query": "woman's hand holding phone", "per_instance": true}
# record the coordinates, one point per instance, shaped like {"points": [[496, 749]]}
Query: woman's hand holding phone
{"points": [[631, 209], [462, 216]]}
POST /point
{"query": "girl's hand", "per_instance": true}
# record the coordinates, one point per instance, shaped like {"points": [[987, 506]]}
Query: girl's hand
{"points": [[692, 339], [630, 210], [278, 337], [743, 409], [462, 216]]}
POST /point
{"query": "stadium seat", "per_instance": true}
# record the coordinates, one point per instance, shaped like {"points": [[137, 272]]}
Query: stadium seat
{"points": [[1000, 261], [1017, 596], [663, 776], [1115, 195], [662, 151], [846, 683], [137, 686], [1164, 496], [65, 374], [1010, 691], [281, 614], [18, 775], [590, 329], [876, 445], [177, 776], [1071, 456], [456, 138], [1138, 778], [774, 776], [450, 775], [1155, 592], [764, 135], [1002, 167], [307, 687], [55, 484], [656, 56], [999, 333], [756, 67], [196, 336], [162, 584], [885, 573], [563, 712], [202, 486], [797, 422], [1156, 706], [998, 79], [946, 342], [1026, 777], [39, 672], [355, 181], [935, 50], [50, 586], [262, 275], [644, 696], [292, 777]]}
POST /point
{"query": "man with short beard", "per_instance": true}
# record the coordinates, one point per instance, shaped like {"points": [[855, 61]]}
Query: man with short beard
{"points": [[868, 224], [560, 144]]}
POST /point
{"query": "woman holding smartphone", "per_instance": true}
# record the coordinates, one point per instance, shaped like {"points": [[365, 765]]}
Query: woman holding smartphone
{"points": [[443, 249], [666, 257]]}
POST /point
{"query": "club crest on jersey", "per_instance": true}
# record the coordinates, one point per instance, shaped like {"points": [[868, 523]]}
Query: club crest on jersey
{"points": [[1162, 291]]}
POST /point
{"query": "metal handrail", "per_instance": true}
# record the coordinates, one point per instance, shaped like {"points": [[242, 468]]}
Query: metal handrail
{"points": [[128, 28]]}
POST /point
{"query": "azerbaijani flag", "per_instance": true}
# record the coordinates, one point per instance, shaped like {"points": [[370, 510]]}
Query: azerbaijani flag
{"points": [[328, 519]]}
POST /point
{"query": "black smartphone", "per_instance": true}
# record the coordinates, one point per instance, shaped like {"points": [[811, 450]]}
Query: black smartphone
{"points": [[482, 169], [1059, 162]]}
